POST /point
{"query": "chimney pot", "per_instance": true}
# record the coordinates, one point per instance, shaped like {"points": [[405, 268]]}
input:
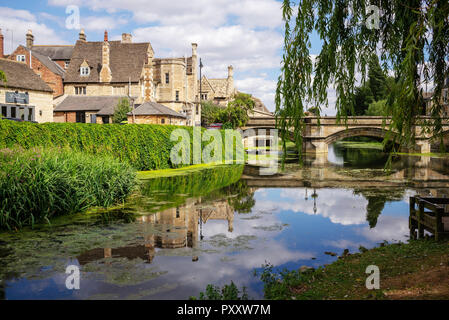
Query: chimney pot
{"points": [[194, 49], [105, 36], [82, 35], [29, 39], [127, 38]]}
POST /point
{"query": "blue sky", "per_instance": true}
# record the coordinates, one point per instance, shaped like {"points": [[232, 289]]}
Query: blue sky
{"points": [[244, 33]]}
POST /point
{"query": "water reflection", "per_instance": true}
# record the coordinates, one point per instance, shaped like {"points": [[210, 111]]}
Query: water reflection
{"points": [[182, 233]]}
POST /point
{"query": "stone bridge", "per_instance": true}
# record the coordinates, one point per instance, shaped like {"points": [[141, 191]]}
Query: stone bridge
{"points": [[319, 133]]}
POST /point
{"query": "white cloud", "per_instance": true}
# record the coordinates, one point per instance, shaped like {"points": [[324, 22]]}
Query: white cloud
{"points": [[245, 34], [15, 24]]}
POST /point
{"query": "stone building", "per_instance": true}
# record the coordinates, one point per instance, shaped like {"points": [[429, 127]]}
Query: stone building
{"points": [[155, 113], [86, 109], [49, 62], [219, 91], [124, 68], [444, 100], [25, 95]]}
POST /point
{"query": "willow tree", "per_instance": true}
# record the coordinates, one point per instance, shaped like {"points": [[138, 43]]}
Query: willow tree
{"points": [[411, 38]]}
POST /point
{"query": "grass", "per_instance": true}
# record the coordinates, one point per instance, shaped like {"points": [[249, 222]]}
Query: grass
{"points": [[145, 175], [38, 184], [360, 144], [417, 270]]}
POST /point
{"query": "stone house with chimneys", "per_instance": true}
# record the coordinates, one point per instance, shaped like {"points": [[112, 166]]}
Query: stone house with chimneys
{"points": [[127, 69], [24, 96], [218, 91]]}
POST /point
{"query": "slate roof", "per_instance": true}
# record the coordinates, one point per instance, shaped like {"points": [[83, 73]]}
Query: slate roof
{"points": [[126, 60], [20, 76], [48, 62], [155, 109], [105, 105], [55, 52]]}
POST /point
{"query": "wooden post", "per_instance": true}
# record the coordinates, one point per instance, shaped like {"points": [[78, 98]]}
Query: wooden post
{"points": [[420, 220], [438, 223], [411, 221]]}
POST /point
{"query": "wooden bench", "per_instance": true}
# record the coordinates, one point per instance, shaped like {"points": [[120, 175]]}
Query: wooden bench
{"points": [[429, 214]]}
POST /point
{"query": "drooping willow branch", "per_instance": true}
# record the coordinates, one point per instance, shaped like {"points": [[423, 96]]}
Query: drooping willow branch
{"points": [[410, 37]]}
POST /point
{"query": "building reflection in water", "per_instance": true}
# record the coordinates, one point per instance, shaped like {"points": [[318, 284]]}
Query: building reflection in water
{"points": [[180, 227]]}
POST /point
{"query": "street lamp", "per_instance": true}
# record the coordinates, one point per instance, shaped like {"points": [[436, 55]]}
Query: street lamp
{"points": [[201, 85]]}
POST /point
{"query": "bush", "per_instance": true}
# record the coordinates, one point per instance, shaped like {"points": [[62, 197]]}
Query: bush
{"points": [[38, 184], [144, 146]]}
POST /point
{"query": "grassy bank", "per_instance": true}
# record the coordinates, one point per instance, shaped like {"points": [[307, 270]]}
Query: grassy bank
{"points": [[417, 270], [38, 184]]}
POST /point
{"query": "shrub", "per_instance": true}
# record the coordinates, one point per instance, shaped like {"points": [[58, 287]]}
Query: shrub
{"points": [[38, 184], [145, 147]]}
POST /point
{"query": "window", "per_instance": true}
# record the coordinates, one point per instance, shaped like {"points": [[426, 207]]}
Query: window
{"points": [[84, 71], [177, 212], [177, 95], [4, 112], [31, 114], [204, 96], [80, 90], [66, 64], [13, 112], [23, 112], [21, 57], [81, 117], [162, 120], [197, 109], [167, 78], [105, 119], [119, 90]]}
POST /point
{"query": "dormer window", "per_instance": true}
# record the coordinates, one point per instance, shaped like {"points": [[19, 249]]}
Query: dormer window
{"points": [[84, 71], [20, 57]]}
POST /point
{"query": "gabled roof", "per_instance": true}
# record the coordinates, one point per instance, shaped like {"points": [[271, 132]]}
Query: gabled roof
{"points": [[126, 61], [55, 52], [105, 105], [20, 76], [155, 109], [47, 61]]}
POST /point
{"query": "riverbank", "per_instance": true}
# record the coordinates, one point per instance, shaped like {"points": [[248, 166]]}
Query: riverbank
{"points": [[416, 270]]}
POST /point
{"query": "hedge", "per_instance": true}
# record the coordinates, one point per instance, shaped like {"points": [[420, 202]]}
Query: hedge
{"points": [[145, 147]]}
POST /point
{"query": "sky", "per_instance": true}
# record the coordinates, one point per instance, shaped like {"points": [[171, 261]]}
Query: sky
{"points": [[247, 34]]}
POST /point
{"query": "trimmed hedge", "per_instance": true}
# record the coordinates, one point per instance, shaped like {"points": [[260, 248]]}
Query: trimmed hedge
{"points": [[38, 184], [146, 147]]}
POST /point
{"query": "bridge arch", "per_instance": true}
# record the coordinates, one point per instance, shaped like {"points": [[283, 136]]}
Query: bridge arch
{"points": [[357, 132]]}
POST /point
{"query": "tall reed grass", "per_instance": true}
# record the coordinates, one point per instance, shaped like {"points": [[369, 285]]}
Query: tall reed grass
{"points": [[38, 184]]}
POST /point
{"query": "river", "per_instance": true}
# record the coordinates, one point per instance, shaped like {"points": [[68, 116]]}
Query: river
{"points": [[219, 225]]}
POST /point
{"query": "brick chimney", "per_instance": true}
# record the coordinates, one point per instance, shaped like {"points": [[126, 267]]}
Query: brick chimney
{"points": [[230, 82], [105, 73], [30, 39], [1, 44], [127, 38], [82, 35]]}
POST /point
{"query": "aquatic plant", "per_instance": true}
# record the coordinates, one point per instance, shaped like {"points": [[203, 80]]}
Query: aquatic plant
{"points": [[38, 184]]}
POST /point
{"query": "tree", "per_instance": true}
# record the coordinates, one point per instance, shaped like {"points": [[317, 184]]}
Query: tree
{"points": [[362, 99], [376, 79], [3, 77], [242, 100], [209, 113], [410, 36], [233, 117], [121, 110], [376, 108], [314, 110]]}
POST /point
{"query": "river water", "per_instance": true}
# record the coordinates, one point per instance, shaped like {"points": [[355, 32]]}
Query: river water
{"points": [[220, 225]]}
